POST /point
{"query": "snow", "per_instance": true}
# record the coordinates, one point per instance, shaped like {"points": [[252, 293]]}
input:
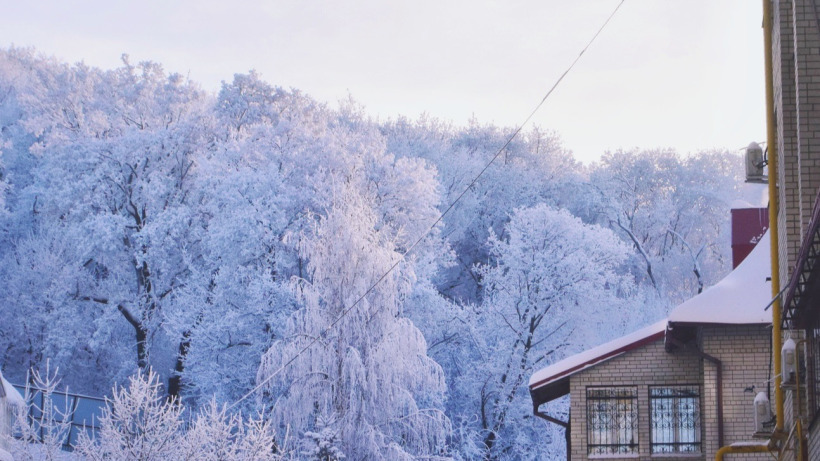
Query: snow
{"points": [[757, 194], [12, 395], [740, 298], [741, 204], [752, 443], [594, 356]]}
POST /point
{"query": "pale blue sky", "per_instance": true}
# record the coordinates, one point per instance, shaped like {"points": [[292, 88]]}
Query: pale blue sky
{"points": [[674, 73]]}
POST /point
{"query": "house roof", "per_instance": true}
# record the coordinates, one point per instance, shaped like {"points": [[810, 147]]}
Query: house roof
{"points": [[548, 382], [740, 298], [11, 394]]}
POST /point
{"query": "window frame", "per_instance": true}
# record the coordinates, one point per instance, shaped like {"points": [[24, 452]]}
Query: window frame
{"points": [[686, 440], [620, 433]]}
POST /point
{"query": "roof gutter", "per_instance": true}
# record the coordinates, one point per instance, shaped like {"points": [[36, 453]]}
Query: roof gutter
{"points": [[598, 359]]}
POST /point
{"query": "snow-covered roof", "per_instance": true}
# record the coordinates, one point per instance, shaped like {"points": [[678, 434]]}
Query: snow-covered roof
{"points": [[739, 299], [13, 397], [596, 355], [738, 204]]}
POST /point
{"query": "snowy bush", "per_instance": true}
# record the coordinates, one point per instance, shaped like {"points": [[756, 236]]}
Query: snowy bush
{"points": [[42, 438], [140, 424]]}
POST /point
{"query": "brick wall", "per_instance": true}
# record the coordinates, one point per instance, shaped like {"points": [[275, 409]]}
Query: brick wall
{"points": [[796, 65], [786, 116], [744, 352], [806, 26], [648, 365]]}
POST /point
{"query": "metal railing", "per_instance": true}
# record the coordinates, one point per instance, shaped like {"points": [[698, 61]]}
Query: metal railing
{"points": [[80, 413]]}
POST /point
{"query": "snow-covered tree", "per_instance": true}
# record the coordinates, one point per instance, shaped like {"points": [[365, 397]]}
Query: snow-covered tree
{"points": [[350, 356], [139, 423], [553, 286], [673, 211], [144, 223], [533, 168], [110, 200]]}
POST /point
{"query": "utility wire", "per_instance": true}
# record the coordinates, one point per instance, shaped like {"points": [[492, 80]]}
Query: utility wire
{"points": [[347, 310]]}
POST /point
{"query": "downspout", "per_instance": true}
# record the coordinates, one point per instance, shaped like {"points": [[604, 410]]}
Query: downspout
{"points": [[719, 379], [777, 339], [557, 421], [718, 382]]}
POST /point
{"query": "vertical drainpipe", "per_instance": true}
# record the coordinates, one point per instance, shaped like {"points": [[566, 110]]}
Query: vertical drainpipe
{"points": [[771, 145], [718, 380], [564, 424], [777, 339], [719, 384]]}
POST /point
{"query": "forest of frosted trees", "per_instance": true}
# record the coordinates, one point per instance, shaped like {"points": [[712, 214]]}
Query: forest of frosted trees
{"points": [[203, 246]]}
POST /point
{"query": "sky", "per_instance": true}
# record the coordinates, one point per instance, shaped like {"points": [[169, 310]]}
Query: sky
{"points": [[685, 74]]}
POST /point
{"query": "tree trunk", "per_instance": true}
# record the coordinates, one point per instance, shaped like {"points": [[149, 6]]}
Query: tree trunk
{"points": [[141, 336], [175, 381]]}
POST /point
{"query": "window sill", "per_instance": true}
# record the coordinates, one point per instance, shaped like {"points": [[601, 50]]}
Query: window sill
{"points": [[677, 456], [615, 456]]}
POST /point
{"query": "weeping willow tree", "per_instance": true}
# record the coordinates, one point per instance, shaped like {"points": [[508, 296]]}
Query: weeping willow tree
{"points": [[364, 388]]}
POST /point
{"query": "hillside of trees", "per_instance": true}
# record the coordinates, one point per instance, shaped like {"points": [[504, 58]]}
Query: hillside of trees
{"points": [[259, 240]]}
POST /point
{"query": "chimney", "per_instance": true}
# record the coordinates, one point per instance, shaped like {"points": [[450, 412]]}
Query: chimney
{"points": [[748, 226]]}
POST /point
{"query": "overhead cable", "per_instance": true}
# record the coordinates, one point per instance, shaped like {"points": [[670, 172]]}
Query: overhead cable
{"points": [[438, 220]]}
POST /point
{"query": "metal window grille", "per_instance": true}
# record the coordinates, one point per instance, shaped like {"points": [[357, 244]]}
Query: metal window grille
{"points": [[612, 420], [674, 419]]}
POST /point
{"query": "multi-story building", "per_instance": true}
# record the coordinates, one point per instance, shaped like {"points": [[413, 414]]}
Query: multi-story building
{"points": [[796, 84]]}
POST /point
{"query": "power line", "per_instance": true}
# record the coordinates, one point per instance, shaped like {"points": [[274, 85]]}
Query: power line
{"points": [[438, 220]]}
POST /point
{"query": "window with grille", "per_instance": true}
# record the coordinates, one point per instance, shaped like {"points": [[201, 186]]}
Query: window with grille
{"points": [[612, 420], [674, 419]]}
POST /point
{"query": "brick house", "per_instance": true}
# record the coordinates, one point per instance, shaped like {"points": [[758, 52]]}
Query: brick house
{"points": [[678, 389]]}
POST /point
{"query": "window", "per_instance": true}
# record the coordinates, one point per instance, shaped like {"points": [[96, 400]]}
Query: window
{"points": [[674, 419], [612, 420]]}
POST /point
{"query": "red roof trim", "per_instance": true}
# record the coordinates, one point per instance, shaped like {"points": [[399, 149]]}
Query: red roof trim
{"points": [[641, 342]]}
